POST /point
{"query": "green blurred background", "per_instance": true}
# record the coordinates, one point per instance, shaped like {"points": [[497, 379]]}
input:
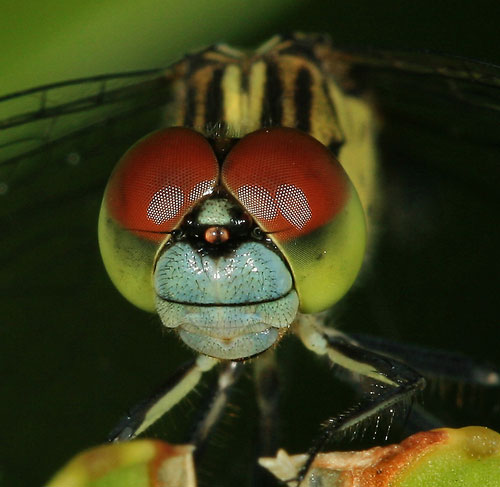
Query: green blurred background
{"points": [[75, 355]]}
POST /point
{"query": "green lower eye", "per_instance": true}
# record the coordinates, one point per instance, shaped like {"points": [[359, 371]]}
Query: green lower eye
{"points": [[326, 262], [129, 260]]}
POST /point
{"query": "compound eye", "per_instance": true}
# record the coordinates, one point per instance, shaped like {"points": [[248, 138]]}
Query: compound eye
{"points": [[159, 179], [287, 180]]}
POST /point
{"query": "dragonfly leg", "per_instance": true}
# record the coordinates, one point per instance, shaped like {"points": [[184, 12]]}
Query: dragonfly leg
{"points": [[218, 401], [453, 378], [397, 382], [147, 412], [267, 394], [436, 364]]}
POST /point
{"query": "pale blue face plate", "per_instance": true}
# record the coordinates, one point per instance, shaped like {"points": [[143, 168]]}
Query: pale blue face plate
{"points": [[232, 306], [250, 274], [229, 307]]}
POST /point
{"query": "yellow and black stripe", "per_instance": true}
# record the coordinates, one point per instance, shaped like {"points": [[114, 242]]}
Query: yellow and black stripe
{"points": [[224, 92]]}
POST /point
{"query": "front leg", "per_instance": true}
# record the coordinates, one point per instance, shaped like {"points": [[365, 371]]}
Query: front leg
{"points": [[144, 414], [398, 382]]}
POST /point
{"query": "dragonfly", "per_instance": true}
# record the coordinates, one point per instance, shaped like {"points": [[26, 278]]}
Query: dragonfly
{"points": [[293, 97]]}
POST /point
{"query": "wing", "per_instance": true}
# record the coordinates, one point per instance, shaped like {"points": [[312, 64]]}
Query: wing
{"points": [[453, 99], [34, 119]]}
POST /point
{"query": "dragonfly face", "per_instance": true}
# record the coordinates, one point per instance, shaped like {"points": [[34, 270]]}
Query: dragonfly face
{"points": [[179, 233], [234, 298], [219, 251]]}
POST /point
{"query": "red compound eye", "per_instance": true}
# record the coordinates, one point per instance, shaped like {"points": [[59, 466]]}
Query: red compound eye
{"points": [[159, 179], [287, 180]]}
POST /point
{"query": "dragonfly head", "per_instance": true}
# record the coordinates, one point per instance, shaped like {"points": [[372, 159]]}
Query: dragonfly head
{"points": [[228, 250]]}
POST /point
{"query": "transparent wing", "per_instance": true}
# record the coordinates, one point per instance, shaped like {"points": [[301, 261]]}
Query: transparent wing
{"points": [[47, 113], [451, 98], [421, 63]]}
